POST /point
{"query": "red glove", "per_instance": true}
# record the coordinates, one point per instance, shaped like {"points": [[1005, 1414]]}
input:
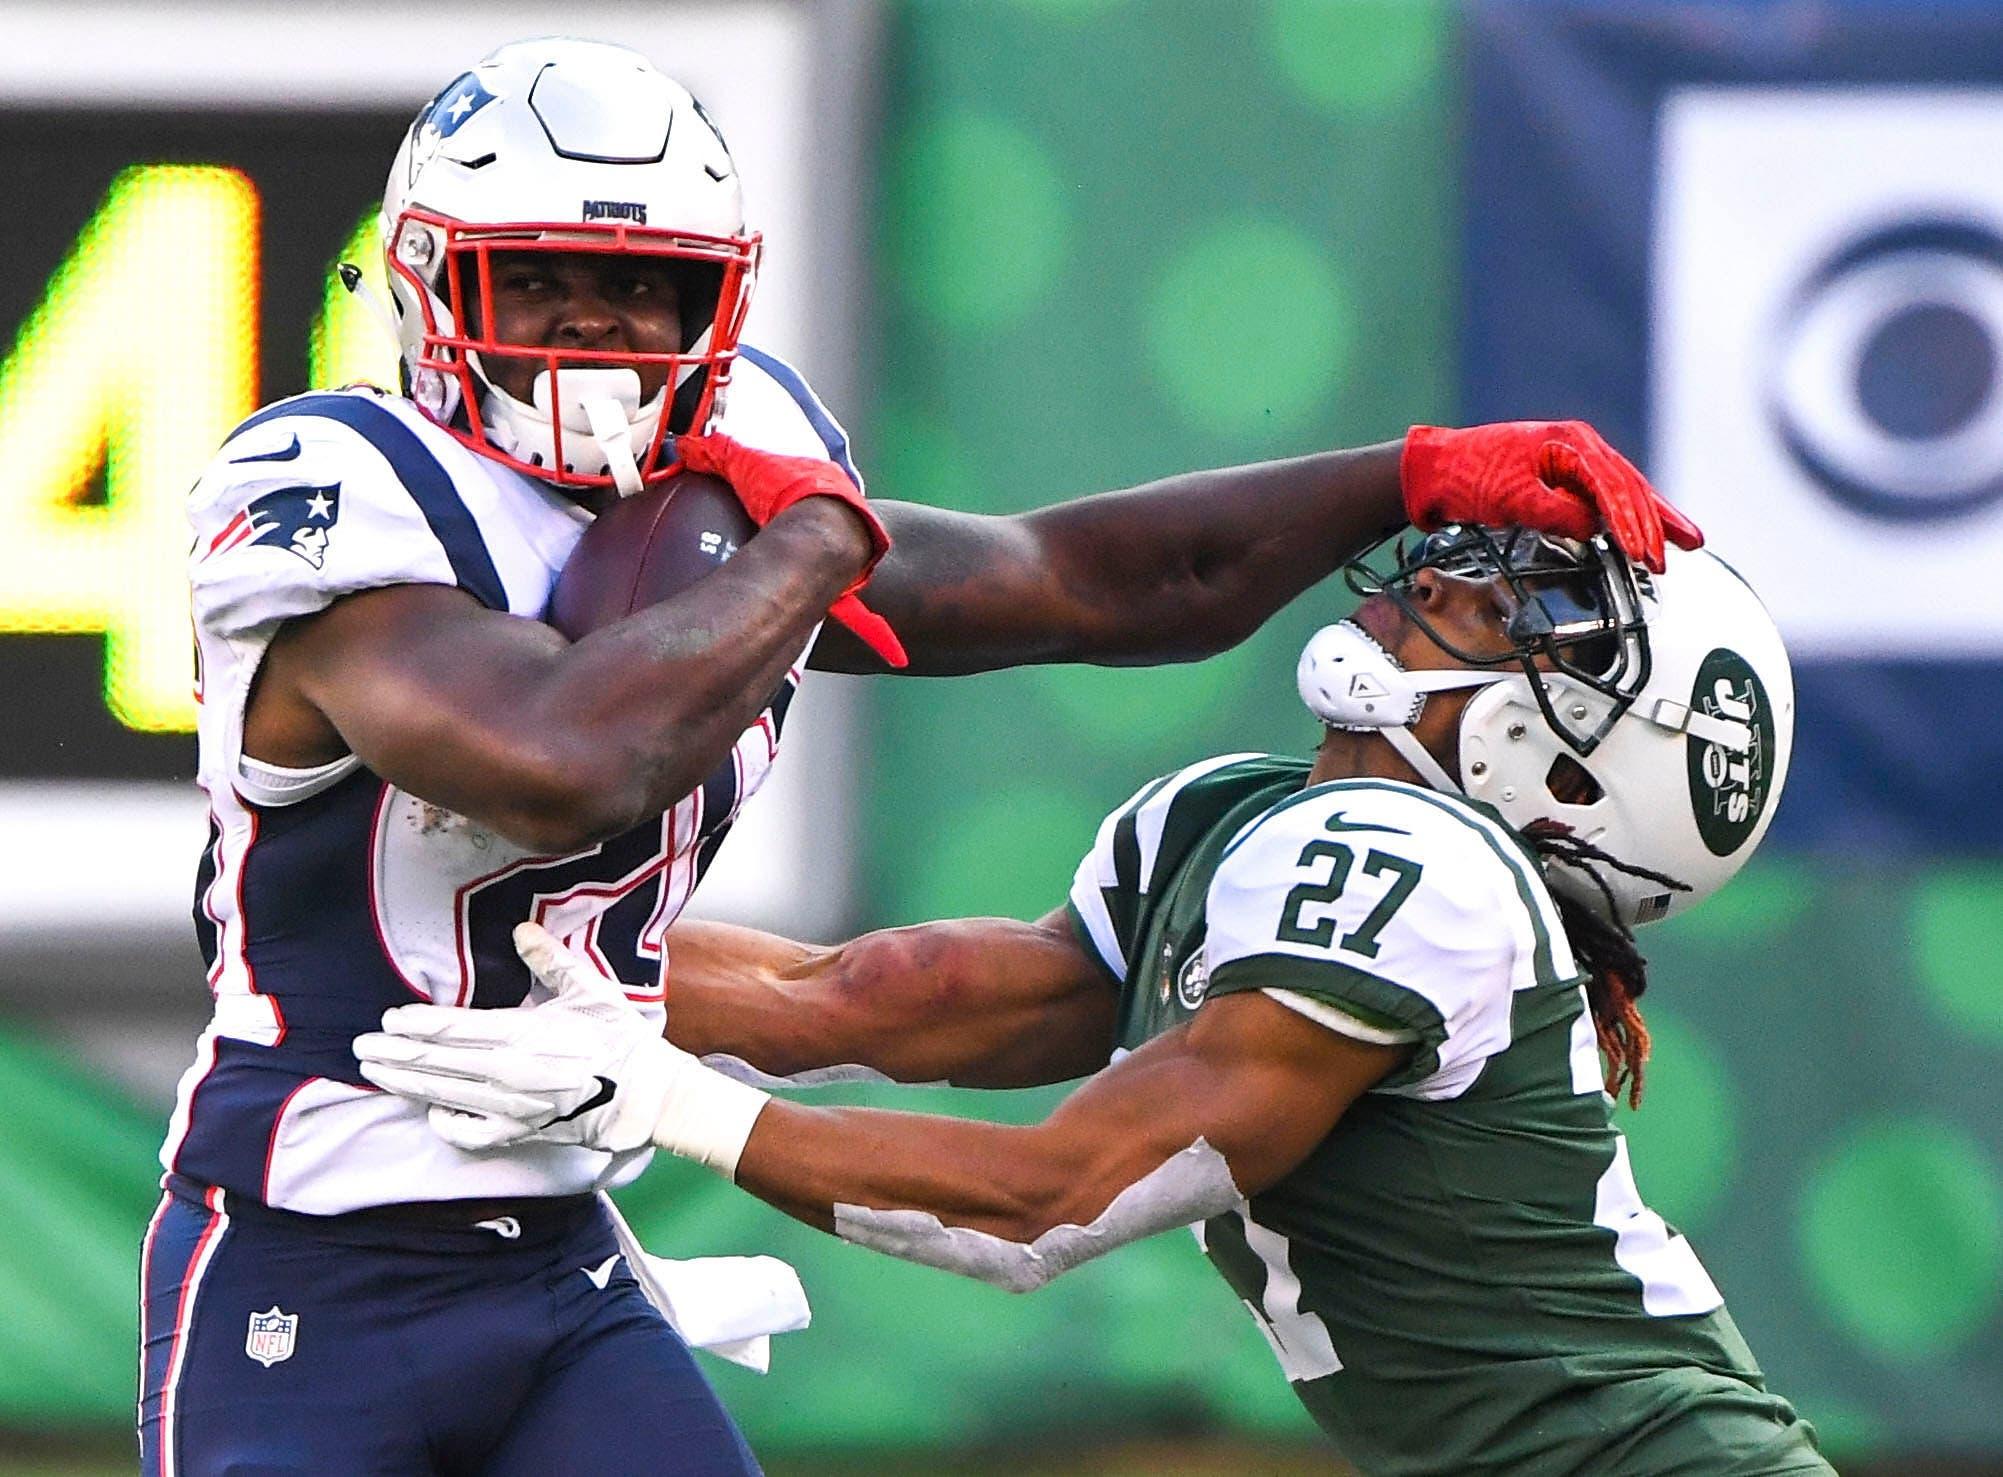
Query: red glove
{"points": [[768, 484], [1556, 477]]}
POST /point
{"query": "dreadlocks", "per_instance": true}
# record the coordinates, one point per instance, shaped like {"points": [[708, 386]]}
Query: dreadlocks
{"points": [[1616, 974]]}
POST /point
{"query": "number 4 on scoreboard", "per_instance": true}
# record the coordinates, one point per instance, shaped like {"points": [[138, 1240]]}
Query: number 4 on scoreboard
{"points": [[139, 359]]}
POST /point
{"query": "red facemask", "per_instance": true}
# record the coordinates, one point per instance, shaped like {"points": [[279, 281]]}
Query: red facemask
{"points": [[453, 262]]}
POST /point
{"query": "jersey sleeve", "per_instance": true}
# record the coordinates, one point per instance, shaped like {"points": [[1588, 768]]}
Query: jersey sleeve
{"points": [[1147, 835], [1104, 903], [321, 498], [772, 407], [1388, 914]]}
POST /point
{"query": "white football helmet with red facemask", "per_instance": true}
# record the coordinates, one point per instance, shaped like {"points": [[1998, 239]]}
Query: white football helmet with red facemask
{"points": [[565, 146]]}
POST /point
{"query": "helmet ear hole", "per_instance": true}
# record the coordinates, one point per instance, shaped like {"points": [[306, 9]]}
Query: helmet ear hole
{"points": [[1571, 783]]}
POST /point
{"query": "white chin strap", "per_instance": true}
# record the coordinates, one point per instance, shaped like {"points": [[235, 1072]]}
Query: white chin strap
{"points": [[1350, 682]]}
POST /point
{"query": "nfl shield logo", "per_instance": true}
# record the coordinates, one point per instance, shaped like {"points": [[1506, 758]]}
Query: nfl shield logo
{"points": [[271, 1336]]}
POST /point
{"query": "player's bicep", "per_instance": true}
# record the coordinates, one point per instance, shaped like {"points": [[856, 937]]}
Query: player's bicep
{"points": [[426, 686]]}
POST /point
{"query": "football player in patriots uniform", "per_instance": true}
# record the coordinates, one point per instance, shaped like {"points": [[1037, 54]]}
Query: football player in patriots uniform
{"points": [[404, 763], [1366, 1017]]}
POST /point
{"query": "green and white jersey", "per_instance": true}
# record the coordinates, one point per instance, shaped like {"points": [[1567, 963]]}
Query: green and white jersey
{"points": [[1462, 1276]]}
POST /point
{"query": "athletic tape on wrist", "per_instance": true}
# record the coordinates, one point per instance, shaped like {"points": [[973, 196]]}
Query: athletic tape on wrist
{"points": [[707, 1117]]}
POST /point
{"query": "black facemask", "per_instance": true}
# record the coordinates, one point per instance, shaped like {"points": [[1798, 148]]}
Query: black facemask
{"points": [[1572, 607]]}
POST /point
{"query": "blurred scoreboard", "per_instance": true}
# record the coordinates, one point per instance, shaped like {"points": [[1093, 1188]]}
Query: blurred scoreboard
{"points": [[172, 271], [181, 181]]}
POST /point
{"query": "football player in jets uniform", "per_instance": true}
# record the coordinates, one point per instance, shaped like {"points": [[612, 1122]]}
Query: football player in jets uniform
{"points": [[1365, 1015], [404, 763]]}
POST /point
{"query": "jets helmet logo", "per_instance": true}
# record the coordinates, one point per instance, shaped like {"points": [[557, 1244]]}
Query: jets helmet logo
{"points": [[1728, 789]]}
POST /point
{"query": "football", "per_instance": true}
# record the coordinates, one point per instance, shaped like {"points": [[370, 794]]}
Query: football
{"points": [[645, 548]]}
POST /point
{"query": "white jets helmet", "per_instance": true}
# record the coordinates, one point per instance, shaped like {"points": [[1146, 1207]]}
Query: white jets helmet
{"points": [[562, 145], [1671, 692]]}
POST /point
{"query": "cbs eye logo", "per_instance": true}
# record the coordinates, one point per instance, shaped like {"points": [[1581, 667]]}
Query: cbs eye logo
{"points": [[1887, 380]]}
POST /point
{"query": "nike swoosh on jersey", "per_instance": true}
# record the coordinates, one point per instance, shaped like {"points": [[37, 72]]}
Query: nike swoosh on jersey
{"points": [[601, 1274], [1340, 822], [283, 454]]}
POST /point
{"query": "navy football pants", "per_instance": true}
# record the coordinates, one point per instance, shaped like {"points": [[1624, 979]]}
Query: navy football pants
{"points": [[413, 1349]]}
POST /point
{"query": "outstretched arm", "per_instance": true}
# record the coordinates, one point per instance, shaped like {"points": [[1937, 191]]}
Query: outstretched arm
{"points": [[1177, 1131], [1222, 1107], [1193, 564], [980, 1002], [1171, 571]]}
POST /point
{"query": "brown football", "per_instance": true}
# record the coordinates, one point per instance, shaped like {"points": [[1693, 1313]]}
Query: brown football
{"points": [[645, 548]]}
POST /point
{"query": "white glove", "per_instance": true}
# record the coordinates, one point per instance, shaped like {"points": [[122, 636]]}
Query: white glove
{"points": [[582, 1067]]}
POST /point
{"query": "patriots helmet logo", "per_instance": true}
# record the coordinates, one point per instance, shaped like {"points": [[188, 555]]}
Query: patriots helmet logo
{"points": [[295, 519], [452, 107], [443, 116]]}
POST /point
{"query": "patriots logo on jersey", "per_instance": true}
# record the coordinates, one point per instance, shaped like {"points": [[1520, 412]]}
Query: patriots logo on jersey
{"points": [[296, 519]]}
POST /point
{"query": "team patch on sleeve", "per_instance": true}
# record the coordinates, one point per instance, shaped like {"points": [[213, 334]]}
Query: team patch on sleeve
{"points": [[320, 497], [1406, 913], [299, 520]]}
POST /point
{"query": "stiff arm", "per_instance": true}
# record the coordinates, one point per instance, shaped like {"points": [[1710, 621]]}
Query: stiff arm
{"points": [[1167, 572], [1192, 564]]}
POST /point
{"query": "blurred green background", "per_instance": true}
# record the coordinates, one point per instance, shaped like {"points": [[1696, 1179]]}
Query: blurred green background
{"points": [[1116, 242]]}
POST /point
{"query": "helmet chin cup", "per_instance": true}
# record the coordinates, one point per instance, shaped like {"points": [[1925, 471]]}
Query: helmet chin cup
{"points": [[1351, 682], [606, 430], [1348, 681]]}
